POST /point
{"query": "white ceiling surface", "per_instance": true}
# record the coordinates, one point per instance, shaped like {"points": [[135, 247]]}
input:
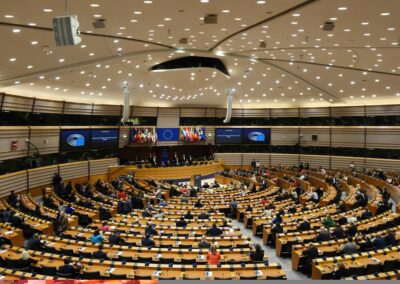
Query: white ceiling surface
{"points": [[302, 65]]}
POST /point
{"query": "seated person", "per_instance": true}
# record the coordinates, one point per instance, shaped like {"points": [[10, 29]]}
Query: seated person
{"points": [[70, 268], [213, 257], [203, 243], [328, 221], [257, 254], [379, 242], [116, 239], [34, 243], [366, 244], [305, 225], [348, 248], [203, 215], [100, 254], [198, 204], [160, 214], [188, 215], [97, 237], [390, 239], [181, 222], [148, 241], [352, 230], [214, 231], [338, 233], [339, 271], [26, 260], [150, 229], [323, 236]]}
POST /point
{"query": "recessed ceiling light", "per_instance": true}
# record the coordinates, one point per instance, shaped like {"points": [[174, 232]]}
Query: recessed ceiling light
{"points": [[16, 30], [8, 16], [29, 66], [61, 60], [34, 42], [148, 2], [296, 15], [342, 8], [204, 1], [137, 12], [391, 29], [32, 24], [261, 2], [12, 59], [225, 11], [238, 19], [385, 14], [364, 23], [95, 5], [47, 10]]}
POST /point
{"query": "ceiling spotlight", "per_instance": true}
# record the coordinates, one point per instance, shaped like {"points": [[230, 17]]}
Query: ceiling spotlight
{"points": [[328, 26]]}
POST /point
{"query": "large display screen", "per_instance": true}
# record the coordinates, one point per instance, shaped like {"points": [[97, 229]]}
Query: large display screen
{"points": [[143, 135], [191, 134], [168, 134], [256, 136], [105, 138], [228, 136], [74, 140]]}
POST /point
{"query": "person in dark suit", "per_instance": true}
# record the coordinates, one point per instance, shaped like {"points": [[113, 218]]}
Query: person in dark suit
{"points": [[305, 225], [193, 192], [34, 243], [338, 233], [203, 215], [181, 222], [198, 204], [116, 239], [339, 271], [342, 220], [352, 230], [214, 231], [390, 239], [70, 268], [257, 254], [203, 243], [12, 198], [150, 229], [188, 215], [366, 245], [323, 236], [379, 242], [310, 253], [366, 214], [148, 241], [100, 254]]}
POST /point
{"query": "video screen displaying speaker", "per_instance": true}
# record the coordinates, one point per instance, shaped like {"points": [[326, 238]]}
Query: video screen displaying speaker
{"points": [[192, 134], [143, 135], [167, 134], [228, 136], [104, 138], [74, 140], [256, 136]]}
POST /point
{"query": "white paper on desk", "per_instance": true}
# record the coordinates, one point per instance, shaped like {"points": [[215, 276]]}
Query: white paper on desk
{"points": [[8, 232], [111, 270], [49, 244], [3, 251], [178, 243], [208, 273], [35, 225], [158, 255], [259, 272], [200, 256], [82, 248], [375, 259], [157, 273], [118, 253], [79, 234]]}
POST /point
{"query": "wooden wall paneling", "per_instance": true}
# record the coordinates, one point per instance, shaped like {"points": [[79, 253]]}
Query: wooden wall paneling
{"points": [[47, 106], [286, 160], [9, 134], [192, 112], [315, 161], [74, 170], [323, 137], [284, 135], [348, 137], [15, 181], [42, 176], [16, 103], [144, 111], [113, 110], [77, 108], [46, 139], [124, 136], [383, 137]]}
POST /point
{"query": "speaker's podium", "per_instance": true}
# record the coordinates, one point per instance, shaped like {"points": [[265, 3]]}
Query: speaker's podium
{"points": [[195, 180]]}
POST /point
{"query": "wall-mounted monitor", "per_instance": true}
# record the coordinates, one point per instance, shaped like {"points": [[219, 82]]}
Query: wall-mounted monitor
{"points": [[256, 135], [228, 136], [105, 138], [143, 135], [167, 134], [192, 134], [74, 140]]}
